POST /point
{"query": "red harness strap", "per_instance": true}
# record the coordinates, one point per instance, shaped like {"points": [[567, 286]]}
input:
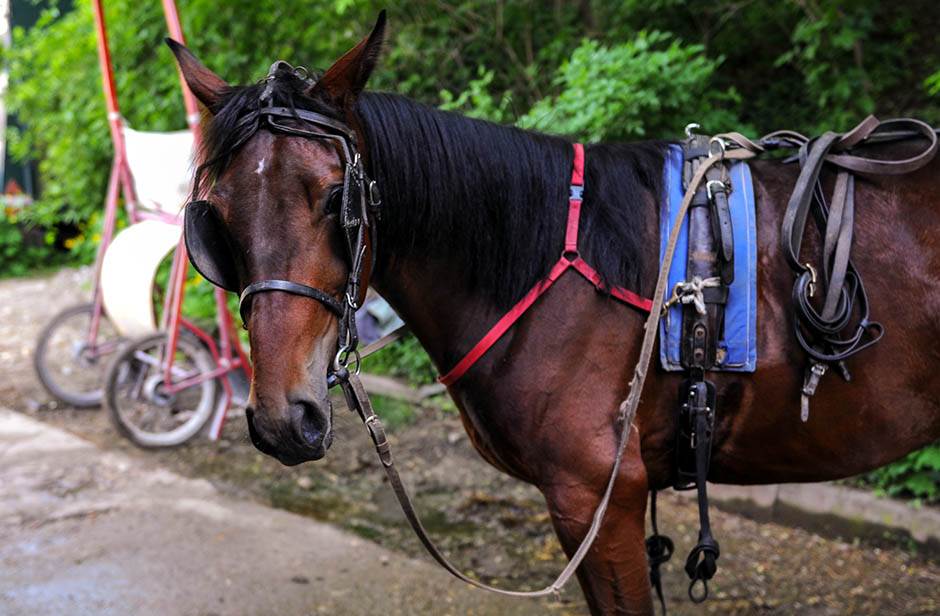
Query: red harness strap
{"points": [[570, 258]]}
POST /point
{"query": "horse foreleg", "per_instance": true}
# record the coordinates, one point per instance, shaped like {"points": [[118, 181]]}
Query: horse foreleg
{"points": [[615, 575]]}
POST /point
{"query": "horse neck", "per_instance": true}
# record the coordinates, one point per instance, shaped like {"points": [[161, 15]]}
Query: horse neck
{"points": [[475, 215], [456, 194]]}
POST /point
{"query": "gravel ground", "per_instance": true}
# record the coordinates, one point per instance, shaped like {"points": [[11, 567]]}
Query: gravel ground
{"points": [[490, 523]]}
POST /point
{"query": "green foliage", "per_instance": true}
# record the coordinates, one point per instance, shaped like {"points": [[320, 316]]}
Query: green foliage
{"points": [[23, 247], [932, 84], [406, 358], [916, 475], [648, 86], [477, 101]]}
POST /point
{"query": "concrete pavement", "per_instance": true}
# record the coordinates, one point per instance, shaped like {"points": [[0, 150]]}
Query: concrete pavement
{"points": [[92, 532]]}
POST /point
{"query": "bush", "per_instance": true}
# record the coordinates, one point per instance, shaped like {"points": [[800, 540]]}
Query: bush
{"points": [[648, 87], [19, 256], [917, 475]]}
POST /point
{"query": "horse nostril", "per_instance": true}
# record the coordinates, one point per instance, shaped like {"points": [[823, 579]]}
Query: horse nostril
{"points": [[312, 422]]}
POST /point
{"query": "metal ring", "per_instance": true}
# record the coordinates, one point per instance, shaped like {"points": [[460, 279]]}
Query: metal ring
{"points": [[690, 128], [341, 358], [357, 361]]}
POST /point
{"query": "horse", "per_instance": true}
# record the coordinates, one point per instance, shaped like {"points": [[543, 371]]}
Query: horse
{"points": [[472, 215]]}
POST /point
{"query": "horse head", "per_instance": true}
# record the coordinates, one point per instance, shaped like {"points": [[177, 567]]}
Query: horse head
{"points": [[282, 215]]}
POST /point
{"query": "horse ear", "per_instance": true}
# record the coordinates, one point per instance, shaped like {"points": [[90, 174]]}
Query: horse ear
{"points": [[343, 81], [205, 85]]}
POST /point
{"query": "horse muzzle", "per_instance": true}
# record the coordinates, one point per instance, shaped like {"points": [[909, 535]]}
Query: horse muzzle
{"points": [[303, 432]]}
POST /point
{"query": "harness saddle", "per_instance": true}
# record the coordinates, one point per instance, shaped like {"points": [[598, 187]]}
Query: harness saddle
{"points": [[839, 329]]}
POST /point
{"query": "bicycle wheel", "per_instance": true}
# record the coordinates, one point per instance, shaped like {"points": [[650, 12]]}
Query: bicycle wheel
{"points": [[141, 404], [71, 369]]}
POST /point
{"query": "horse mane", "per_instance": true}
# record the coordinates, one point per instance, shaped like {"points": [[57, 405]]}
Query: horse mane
{"points": [[491, 200]]}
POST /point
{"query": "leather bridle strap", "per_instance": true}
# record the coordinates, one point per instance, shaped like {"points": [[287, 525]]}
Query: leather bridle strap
{"points": [[358, 197], [294, 288], [828, 335], [358, 400]]}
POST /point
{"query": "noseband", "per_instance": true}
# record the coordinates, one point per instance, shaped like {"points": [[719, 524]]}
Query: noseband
{"points": [[209, 247]]}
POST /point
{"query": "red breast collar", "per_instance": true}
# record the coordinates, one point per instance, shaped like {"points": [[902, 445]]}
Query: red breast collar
{"points": [[570, 259]]}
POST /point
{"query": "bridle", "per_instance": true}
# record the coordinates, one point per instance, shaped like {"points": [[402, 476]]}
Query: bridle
{"points": [[210, 247]]}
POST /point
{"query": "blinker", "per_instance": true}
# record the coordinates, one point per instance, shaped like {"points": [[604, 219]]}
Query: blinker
{"points": [[209, 245]]}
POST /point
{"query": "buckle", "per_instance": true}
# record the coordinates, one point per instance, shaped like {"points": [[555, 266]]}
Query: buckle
{"points": [[719, 187], [576, 193]]}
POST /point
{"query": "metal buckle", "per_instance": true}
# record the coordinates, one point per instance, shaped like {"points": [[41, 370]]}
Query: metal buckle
{"points": [[576, 193], [375, 198], [813, 278], [708, 188]]}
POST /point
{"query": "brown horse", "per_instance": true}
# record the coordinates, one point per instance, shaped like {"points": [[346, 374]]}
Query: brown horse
{"points": [[473, 215]]}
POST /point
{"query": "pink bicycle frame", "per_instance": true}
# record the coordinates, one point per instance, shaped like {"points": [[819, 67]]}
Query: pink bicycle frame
{"points": [[228, 354]]}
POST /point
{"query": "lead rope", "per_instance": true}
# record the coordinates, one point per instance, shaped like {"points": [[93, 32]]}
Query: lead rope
{"points": [[358, 400]]}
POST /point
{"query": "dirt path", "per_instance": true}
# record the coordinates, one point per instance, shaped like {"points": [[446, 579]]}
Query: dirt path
{"points": [[493, 525]]}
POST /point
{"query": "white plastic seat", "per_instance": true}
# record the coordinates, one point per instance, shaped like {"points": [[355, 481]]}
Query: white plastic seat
{"points": [[161, 166], [128, 272], [161, 169]]}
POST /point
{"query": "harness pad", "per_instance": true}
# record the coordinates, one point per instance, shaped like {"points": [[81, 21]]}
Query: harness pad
{"points": [[738, 343]]}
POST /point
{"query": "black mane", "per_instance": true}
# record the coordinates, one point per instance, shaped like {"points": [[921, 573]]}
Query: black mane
{"points": [[491, 200]]}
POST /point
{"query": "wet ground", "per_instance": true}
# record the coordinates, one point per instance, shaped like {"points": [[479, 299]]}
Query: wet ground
{"points": [[87, 531], [492, 525]]}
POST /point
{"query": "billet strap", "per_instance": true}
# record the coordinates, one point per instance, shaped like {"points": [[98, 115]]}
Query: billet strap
{"points": [[575, 197], [358, 400]]}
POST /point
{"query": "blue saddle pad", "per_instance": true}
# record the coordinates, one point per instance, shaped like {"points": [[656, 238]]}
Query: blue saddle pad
{"points": [[739, 343]]}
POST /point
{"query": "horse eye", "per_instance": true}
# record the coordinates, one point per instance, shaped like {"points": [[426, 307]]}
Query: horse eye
{"points": [[334, 201]]}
